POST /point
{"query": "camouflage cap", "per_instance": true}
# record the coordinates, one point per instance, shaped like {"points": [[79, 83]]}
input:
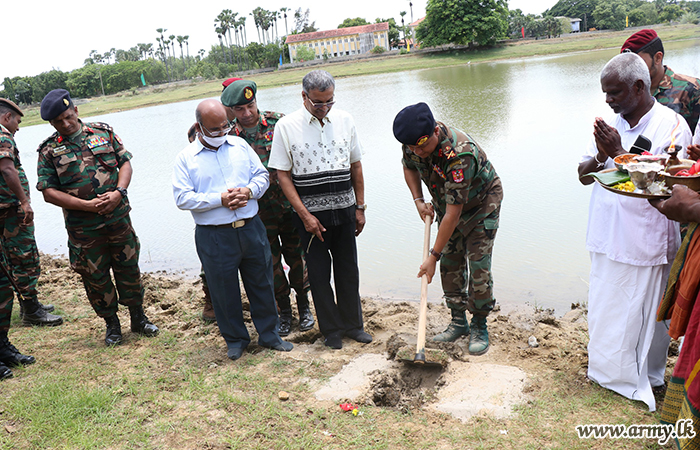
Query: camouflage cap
{"points": [[54, 103], [10, 104], [414, 124], [240, 92]]}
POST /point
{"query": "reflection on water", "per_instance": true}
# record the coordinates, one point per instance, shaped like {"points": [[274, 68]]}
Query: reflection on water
{"points": [[532, 117]]}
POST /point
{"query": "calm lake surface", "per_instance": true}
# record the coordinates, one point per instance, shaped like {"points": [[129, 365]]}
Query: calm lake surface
{"points": [[533, 117]]}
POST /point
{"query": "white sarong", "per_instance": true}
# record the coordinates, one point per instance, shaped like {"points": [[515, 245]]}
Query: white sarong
{"points": [[627, 348]]}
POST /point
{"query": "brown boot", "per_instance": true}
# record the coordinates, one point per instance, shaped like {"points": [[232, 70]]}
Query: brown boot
{"points": [[208, 312]]}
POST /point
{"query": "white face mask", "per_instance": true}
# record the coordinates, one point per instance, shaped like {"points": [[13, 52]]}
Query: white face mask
{"points": [[214, 142]]}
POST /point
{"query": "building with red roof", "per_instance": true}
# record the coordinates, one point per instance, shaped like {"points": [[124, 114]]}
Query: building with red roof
{"points": [[341, 41]]}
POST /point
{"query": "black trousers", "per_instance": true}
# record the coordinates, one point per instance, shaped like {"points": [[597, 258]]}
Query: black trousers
{"points": [[341, 312]]}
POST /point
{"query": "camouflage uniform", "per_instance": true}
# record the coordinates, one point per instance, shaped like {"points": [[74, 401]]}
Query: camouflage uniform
{"points": [[459, 173], [18, 238], [276, 214], [85, 167], [681, 93]]}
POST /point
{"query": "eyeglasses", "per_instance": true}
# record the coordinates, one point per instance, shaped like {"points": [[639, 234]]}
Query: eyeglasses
{"points": [[320, 105], [222, 132]]}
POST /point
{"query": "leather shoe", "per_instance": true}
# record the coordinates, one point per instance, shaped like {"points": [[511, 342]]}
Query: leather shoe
{"points": [[282, 346], [359, 336], [41, 318], [306, 319], [113, 335], [285, 323], [5, 372], [334, 341], [235, 353], [140, 323]]}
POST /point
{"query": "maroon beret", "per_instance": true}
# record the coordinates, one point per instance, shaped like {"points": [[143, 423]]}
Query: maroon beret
{"points": [[229, 81], [639, 41]]}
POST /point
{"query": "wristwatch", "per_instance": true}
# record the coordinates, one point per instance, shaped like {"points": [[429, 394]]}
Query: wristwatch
{"points": [[436, 254], [250, 194], [122, 191], [361, 207]]}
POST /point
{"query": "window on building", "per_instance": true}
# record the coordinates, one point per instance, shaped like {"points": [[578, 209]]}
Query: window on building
{"points": [[334, 41]]}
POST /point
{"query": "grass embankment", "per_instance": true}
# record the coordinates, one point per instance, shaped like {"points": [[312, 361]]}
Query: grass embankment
{"points": [[176, 92]]}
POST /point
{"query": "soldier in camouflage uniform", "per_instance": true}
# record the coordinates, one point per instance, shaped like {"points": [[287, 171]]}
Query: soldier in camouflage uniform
{"points": [[679, 92], [17, 206], [85, 169], [257, 129], [18, 237], [466, 195]]}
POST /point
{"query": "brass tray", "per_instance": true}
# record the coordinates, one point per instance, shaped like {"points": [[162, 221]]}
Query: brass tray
{"points": [[629, 194]]}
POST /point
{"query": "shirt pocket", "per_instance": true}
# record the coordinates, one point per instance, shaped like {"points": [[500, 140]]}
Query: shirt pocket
{"points": [[68, 168], [106, 157]]}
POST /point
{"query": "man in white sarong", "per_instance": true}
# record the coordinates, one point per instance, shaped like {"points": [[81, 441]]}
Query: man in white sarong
{"points": [[631, 244]]}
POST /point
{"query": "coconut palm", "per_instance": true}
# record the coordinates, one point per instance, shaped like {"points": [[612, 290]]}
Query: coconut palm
{"points": [[284, 11]]}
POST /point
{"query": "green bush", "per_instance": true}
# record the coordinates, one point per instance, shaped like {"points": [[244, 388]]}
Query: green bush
{"points": [[378, 50]]}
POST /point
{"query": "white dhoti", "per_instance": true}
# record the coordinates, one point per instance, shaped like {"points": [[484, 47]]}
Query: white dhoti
{"points": [[627, 349]]}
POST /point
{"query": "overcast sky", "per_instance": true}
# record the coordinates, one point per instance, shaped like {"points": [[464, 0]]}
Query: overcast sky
{"points": [[41, 35]]}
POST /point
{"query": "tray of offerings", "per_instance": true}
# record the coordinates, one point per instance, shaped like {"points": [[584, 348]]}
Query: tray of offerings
{"points": [[620, 183]]}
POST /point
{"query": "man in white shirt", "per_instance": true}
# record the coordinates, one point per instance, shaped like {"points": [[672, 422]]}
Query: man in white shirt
{"points": [[317, 153], [631, 244], [219, 178]]}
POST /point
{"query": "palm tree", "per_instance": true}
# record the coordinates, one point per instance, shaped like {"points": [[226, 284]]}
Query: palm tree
{"points": [[403, 27], [221, 44], [284, 11], [180, 40], [257, 28], [161, 46], [186, 38]]}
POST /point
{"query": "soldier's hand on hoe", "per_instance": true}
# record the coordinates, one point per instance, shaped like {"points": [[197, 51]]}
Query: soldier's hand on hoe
{"points": [[427, 269], [425, 209]]}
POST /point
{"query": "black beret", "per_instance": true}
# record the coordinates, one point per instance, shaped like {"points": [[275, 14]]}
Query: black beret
{"points": [[55, 103], [240, 92], [413, 123], [10, 104]]}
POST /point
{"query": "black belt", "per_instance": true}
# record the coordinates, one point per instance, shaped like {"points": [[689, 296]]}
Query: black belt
{"points": [[236, 224]]}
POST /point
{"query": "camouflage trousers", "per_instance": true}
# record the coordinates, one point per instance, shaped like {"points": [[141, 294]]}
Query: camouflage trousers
{"points": [[285, 241], [470, 248], [7, 295], [94, 252], [21, 250]]}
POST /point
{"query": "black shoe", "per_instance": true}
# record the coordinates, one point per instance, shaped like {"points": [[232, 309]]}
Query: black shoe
{"points": [[283, 346], [285, 323], [113, 336], [306, 319], [334, 341], [10, 356], [47, 308], [359, 336], [235, 353], [5, 372], [41, 318], [140, 323]]}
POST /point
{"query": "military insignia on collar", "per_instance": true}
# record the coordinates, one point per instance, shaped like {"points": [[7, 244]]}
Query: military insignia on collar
{"points": [[96, 141], [268, 135], [59, 139], [450, 153], [264, 122], [248, 93], [421, 140], [439, 171], [458, 175], [62, 150]]}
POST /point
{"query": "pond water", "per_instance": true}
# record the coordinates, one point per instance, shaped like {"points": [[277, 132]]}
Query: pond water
{"points": [[533, 117]]}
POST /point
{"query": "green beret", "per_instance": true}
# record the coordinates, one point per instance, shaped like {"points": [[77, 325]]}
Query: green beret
{"points": [[240, 92]]}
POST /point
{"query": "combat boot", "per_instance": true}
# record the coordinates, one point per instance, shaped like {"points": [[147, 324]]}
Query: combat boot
{"points": [[285, 322], [458, 327], [479, 337], [140, 323], [10, 356], [306, 319], [33, 313], [113, 336], [208, 314], [5, 372], [47, 308]]}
